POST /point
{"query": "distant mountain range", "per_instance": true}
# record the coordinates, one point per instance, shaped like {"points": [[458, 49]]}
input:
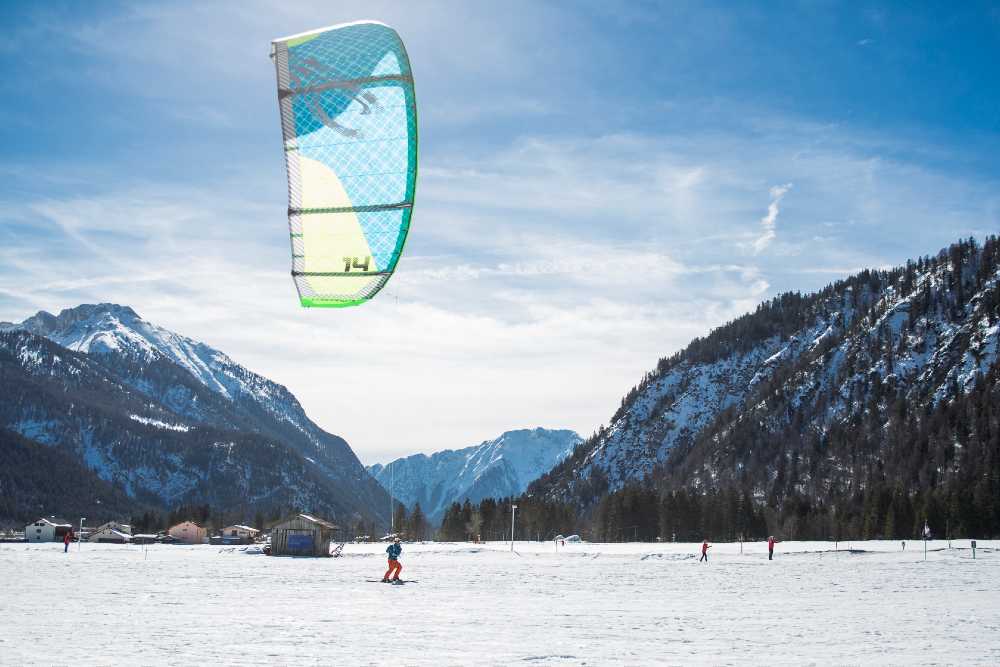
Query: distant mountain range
{"points": [[167, 420], [495, 468]]}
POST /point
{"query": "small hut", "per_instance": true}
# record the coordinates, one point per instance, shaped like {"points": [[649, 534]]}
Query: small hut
{"points": [[302, 535]]}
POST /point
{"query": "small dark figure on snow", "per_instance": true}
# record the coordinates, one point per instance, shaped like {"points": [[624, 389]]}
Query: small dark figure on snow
{"points": [[394, 549], [67, 538], [704, 551], [770, 547]]}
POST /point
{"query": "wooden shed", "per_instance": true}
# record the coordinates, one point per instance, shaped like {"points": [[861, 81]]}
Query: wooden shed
{"points": [[302, 535]]}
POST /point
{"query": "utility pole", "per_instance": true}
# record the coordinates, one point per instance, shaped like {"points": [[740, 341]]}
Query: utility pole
{"points": [[79, 539], [512, 509]]}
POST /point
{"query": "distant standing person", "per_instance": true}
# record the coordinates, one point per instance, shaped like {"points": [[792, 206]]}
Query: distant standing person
{"points": [[770, 547], [67, 538], [704, 551], [394, 549]]}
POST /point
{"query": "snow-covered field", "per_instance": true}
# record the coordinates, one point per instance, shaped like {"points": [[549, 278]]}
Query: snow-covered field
{"points": [[593, 604]]}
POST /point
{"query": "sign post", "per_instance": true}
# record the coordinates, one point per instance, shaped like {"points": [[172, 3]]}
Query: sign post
{"points": [[927, 534]]}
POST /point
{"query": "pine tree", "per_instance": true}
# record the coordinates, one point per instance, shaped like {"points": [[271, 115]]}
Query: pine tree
{"points": [[418, 524]]}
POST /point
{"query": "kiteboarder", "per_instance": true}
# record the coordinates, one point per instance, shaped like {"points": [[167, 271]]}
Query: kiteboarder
{"points": [[770, 547], [704, 550], [392, 574]]}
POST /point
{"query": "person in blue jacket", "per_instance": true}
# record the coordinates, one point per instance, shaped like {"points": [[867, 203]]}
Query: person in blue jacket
{"points": [[394, 549]]}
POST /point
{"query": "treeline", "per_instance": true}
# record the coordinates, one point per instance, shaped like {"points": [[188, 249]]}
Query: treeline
{"points": [[490, 519], [411, 525], [638, 514], [884, 511]]}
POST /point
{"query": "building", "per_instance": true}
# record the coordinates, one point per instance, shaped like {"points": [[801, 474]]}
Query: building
{"points": [[302, 535], [239, 534], [114, 525], [109, 536], [45, 530], [189, 532]]}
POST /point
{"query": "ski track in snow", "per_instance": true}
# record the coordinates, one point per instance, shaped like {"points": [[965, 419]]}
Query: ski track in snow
{"points": [[636, 604]]}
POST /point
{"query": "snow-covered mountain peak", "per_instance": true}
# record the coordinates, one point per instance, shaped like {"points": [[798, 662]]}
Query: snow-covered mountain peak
{"points": [[109, 328], [500, 467]]}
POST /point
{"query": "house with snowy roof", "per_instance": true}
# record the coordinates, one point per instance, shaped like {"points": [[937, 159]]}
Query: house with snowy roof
{"points": [[108, 535], [115, 525], [46, 530], [238, 533]]}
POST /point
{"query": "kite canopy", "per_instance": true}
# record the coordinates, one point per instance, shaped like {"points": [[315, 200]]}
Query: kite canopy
{"points": [[349, 120]]}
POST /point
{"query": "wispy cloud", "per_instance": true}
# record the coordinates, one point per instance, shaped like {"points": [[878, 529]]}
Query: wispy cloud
{"points": [[769, 222]]}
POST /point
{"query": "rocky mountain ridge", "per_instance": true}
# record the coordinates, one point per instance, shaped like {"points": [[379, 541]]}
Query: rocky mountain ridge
{"points": [[171, 420]]}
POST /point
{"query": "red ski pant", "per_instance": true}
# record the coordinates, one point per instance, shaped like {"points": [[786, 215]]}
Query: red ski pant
{"points": [[394, 569]]}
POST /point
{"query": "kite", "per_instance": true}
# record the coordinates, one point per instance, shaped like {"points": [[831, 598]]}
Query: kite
{"points": [[349, 122]]}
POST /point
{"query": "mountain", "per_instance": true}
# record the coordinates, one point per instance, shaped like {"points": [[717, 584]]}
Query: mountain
{"points": [[170, 420], [36, 481], [495, 468], [871, 398]]}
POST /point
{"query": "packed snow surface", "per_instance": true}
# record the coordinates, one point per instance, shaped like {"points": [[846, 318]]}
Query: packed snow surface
{"points": [[585, 604]]}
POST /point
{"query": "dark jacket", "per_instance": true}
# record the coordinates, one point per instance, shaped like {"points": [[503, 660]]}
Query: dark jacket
{"points": [[394, 550]]}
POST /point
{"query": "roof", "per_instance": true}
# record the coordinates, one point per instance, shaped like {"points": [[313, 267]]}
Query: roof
{"points": [[239, 526], [51, 523], [119, 533], [315, 520], [182, 523]]}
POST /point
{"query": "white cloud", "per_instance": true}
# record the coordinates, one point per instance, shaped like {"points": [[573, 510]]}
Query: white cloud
{"points": [[768, 223]]}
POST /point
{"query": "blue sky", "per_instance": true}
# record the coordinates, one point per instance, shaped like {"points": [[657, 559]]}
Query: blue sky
{"points": [[599, 183]]}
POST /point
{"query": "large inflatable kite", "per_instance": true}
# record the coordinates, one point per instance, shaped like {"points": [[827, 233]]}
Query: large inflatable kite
{"points": [[349, 121]]}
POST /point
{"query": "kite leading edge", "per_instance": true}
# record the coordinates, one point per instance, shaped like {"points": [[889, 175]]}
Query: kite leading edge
{"points": [[349, 122]]}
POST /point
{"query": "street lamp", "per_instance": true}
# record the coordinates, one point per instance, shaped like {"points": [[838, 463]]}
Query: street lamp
{"points": [[512, 509], [79, 538]]}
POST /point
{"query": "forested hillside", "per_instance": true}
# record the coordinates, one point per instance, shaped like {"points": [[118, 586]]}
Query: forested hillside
{"points": [[863, 410]]}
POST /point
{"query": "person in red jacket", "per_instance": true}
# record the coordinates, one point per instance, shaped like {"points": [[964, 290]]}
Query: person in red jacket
{"points": [[704, 550], [770, 547], [67, 538]]}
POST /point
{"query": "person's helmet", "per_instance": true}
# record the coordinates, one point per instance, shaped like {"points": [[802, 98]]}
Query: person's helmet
{"points": [[396, 540]]}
